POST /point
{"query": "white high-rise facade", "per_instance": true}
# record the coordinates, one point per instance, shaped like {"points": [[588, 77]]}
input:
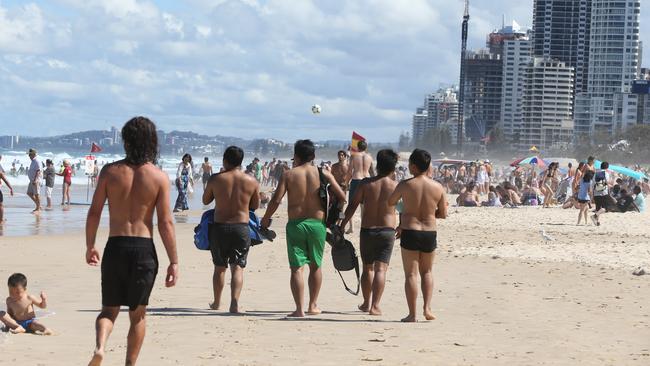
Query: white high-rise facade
{"points": [[614, 56], [547, 105], [517, 55]]}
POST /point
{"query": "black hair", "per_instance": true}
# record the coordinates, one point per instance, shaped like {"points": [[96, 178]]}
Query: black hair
{"points": [[187, 155], [623, 192], [233, 155], [604, 165], [580, 165], [206, 159], [421, 159], [386, 161], [140, 141], [590, 159], [637, 190], [17, 279], [341, 152], [589, 175], [305, 150], [362, 146]]}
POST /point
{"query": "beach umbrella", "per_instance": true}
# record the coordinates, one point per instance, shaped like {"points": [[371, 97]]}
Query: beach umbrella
{"points": [[533, 160], [516, 162], [623, 170]]}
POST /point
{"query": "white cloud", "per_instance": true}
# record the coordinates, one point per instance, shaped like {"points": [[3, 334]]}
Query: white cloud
{"points": [[57, 64], [126, 47], [203, 31], [21, 31], [173, 25]]}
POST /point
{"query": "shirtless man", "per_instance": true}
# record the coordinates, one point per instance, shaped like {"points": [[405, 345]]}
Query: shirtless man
{"points": [[378, 224], [234, 194], [424, 201], [206, 171], [3, 178], [340, 171], [360, 168], [305, 229], [134, 187]]}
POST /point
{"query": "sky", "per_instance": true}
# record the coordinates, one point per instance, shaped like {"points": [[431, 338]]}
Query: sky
{"points": [[246, 68]]}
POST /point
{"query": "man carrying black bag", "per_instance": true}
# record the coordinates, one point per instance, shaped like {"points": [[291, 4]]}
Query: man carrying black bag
{"points": [[378, 224]]}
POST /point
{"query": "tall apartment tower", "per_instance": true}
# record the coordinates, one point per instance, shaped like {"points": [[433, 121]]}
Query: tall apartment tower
{"points": [[561, 31], [483, 87], [547, 103], [614, 63], [517, 55], [439, 108]]}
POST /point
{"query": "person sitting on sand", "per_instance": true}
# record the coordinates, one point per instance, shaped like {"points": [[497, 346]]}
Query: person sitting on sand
{"points": [[378, 223], [20, 316], [424, 201], [469, 197], [135, 188], [234, 194], [306, 228]]}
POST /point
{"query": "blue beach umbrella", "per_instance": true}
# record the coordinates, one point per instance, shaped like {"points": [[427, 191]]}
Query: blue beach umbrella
{"points": [[623, 170]]}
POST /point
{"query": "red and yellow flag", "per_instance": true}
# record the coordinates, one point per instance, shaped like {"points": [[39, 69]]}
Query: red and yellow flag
{"points": [[356, 138]]}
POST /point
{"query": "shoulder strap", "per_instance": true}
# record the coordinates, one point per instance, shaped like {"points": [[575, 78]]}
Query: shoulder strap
{"points": [[356, 269]]}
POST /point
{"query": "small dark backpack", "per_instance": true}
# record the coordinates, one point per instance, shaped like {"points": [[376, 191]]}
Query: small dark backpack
{"points": [[345, 258]]}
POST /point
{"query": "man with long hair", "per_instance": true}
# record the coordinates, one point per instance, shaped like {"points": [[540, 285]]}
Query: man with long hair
{"points": [[134, 188]]}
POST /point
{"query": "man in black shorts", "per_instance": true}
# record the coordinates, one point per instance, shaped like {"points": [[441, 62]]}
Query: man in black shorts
{"points": [[424, 201], [378, 222], [235, 194], [134, 187], [3, 178]]}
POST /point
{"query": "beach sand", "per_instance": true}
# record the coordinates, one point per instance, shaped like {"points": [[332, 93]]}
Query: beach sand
{"points": [[504, 296]]}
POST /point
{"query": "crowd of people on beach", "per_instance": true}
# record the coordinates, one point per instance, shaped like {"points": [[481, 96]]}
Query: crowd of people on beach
{"points": [[479, 184], [396, 202]]}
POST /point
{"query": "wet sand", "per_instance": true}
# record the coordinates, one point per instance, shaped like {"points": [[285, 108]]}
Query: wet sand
{"points": [[503, 297]]}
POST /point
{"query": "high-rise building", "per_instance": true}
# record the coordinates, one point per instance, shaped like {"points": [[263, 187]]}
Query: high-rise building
{"points": [[116, 135], [641, 88], [614, 63], [496, 39], [517, 55], [483, 87], [439, 108], [547, 103], [561, 31]]}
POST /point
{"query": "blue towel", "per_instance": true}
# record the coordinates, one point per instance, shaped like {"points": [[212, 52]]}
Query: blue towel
{"points": [[201, 231]]}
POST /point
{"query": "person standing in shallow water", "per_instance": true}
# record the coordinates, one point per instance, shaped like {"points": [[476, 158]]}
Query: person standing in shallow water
{"points": [[134, 188], [183, 181], [306, 227], [424, 202]]}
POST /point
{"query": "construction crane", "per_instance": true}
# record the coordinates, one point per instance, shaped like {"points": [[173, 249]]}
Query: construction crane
{"points": [[461, 86]]}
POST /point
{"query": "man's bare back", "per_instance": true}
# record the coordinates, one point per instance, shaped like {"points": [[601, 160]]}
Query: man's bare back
{"points": [[360, 165], [133, 193], [339, 171], [234, 193], [374, 194], [424, 201], [301, 185]]}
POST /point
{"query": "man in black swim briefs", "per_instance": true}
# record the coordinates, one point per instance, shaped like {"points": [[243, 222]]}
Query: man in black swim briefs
{"points": [[135, 188], [235, 194], [378, 222], [423, 201]]}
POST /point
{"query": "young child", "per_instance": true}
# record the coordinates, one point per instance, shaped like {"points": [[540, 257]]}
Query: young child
{"points": [[20, 316]]}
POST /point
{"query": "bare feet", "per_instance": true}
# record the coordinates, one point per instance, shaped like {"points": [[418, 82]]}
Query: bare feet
{"points": [[98, 357], [214, 306], [234, 307], [375, 310], [313, 310], [409, 319], [428, 314], [47, 332], [296, 314], [18, 330], [364, 307]]}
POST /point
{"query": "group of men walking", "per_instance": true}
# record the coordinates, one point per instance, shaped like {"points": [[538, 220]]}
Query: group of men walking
{"points": [[135, 188]]}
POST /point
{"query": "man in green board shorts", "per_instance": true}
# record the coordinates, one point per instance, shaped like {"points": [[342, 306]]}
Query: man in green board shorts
{"points": [[305, 229]]}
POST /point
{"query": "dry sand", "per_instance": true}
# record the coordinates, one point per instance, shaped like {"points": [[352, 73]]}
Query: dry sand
{"points": [[503, 296]]}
